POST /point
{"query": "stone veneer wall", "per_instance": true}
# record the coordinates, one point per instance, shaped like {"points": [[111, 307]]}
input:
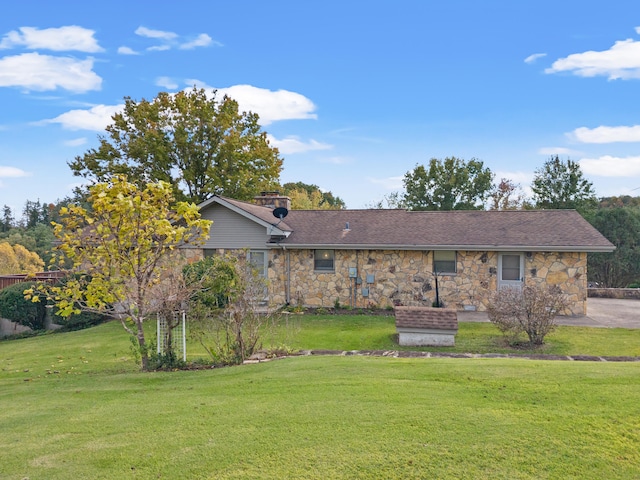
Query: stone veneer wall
{"points": [[404, 277]]}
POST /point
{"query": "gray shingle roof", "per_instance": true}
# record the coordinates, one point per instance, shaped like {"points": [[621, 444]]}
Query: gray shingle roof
{"points": [[426, 318], [551, 230], [521, 229]]}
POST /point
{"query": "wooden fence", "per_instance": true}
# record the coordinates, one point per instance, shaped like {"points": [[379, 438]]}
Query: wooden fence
{"points": [[6, 280]]}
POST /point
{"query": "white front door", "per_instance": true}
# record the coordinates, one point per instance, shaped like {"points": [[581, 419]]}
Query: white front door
{"points": [[510, 270]]}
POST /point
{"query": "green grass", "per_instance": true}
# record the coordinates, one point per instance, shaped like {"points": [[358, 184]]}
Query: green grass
{"points": [[74, 406], [362, 332]]}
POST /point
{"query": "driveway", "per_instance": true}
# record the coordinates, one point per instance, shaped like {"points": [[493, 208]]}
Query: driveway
{"points": [[601, 312]]}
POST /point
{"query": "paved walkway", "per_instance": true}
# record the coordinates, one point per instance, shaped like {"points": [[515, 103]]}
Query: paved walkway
{"points": [[601, 312]]}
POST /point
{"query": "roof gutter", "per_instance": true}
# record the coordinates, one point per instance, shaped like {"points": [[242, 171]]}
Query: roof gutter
{"points": [[490, 248]]}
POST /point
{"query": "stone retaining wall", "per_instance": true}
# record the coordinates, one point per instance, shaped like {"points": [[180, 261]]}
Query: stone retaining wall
{"points": [[632, 293]]}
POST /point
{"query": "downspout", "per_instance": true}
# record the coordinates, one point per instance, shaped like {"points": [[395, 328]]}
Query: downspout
{"points": [[355, 288]]}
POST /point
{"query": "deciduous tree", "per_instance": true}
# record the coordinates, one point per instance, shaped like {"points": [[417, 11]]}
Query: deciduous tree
{"points": [[621, 226], [449, 184], [506, 195], [390, 200], [309, 197], [199, 144], [560, 184], [17, 259], [121, 249]]}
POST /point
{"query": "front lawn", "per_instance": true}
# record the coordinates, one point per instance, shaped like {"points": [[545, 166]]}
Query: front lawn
{"points": [[371, 332], [75, 405]]}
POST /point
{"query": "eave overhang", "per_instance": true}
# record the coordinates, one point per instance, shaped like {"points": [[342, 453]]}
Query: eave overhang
{"points": [[482, 248]]}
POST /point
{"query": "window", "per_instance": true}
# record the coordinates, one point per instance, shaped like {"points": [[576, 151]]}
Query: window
{"points": [[258, 259], [511, 267], [444, 261], [323, 260]]}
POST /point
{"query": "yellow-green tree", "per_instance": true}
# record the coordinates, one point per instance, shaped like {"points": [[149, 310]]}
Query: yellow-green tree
{"points": [[310, 197], [17, 259], [121, 249]]}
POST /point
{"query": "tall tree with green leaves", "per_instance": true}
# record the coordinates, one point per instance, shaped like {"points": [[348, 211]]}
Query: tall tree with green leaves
{"points": [[621, 226], [561, 185], [199, 144], [449, 184], [121, 250]]}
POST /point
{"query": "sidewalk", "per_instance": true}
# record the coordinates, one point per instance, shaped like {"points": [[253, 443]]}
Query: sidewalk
{"points": [[601, 313]]}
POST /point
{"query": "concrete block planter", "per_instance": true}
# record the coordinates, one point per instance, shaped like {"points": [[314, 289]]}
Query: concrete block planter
{"points": [[426, 326]]}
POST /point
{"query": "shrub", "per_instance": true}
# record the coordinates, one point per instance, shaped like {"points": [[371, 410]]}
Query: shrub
{"points": [[531, 310], [233, 333], [15, 307], [217, 275], [79, 321]]}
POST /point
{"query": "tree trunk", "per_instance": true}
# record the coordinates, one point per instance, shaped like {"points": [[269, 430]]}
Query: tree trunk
{"points": [[142, 344]]}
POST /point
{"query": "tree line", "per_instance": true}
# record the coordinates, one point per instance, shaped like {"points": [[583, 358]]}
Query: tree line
{"points": [[456, 184], [203, 146]]}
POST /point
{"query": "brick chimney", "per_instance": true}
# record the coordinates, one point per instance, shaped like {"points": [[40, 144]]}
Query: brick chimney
{"points": [[272, 200]]}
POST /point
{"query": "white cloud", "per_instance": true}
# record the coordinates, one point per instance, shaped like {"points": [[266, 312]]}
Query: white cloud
{"points": [[270, 105], [557, 151], [12, 172], [389, 183], [604, 134], [166, 82], [58, 39], [76, 142], [609, 166], [621, 61], [124, 50], [292, 144], [171, 39], [33, 71], [203, 40], [159, 48], [534, 57], [96, 118], [149, 33], [521, 178]]}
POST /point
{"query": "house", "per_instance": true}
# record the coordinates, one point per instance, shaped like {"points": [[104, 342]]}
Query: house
{"points": [[380, 258]]}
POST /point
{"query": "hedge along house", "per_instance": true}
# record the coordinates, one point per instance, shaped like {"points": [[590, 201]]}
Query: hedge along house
{"points": [[380, 258]]}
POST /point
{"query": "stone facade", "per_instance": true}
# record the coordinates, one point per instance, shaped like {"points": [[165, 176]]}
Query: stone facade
{"points": [[404, 277]]}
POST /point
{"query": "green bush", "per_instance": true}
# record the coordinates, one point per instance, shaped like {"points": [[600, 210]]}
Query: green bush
{"points": [[79, 321], [15, 307], [634, 285], [216, 277]]}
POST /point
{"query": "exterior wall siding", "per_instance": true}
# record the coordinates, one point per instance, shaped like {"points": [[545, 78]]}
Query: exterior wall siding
{"points": [[231, 230], [406, 278]]}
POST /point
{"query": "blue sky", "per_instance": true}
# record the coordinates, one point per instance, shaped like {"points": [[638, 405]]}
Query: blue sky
{"points": [[353, 93]]}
